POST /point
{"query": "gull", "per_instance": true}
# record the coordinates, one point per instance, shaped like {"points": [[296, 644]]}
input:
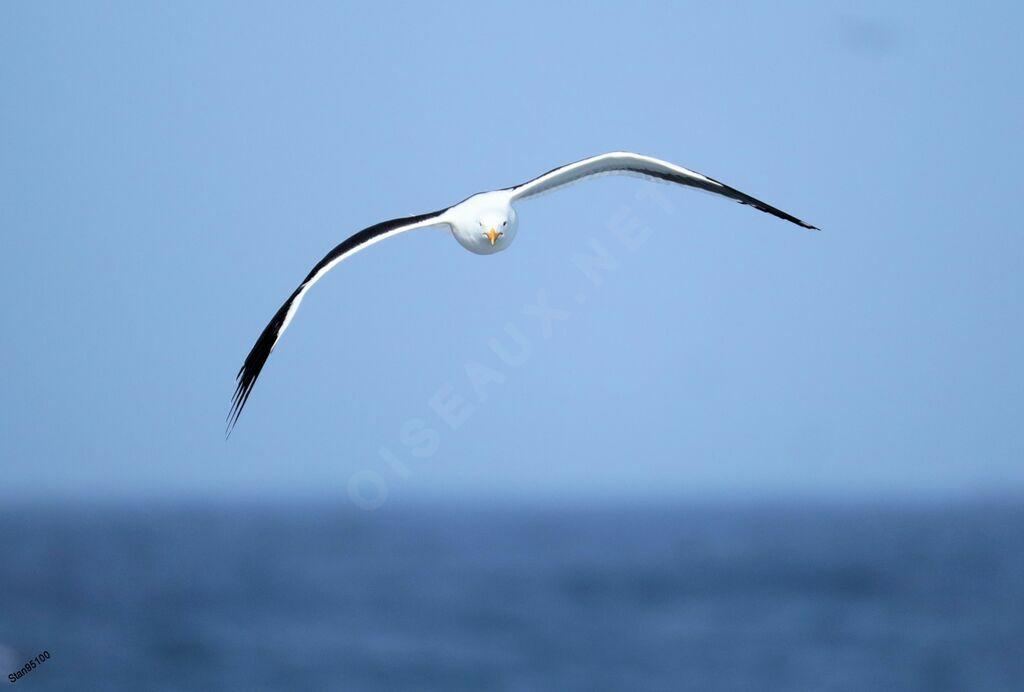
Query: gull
{"points": [[484, 224]]}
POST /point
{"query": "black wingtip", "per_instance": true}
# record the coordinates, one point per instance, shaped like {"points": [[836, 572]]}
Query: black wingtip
{"points": [[254, 362]]}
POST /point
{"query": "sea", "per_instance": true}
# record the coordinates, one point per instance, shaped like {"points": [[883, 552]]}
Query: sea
{"points": [[305, 596]]}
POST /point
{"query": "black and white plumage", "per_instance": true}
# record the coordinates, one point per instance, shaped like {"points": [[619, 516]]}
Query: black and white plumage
{"points": [[484, 224]]}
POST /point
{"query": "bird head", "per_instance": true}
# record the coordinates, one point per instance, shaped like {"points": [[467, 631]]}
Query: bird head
{"points": [[485, 223], [496, 230]]}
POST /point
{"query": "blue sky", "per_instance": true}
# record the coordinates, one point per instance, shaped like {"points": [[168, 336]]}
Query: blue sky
{"points": [[171, 171]]}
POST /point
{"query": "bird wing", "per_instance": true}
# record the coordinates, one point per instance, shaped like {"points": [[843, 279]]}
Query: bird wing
{"points": [[626, 162], [261, 350]]}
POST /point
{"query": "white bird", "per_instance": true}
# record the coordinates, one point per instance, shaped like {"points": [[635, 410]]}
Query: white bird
{"points": [[484, 224]]}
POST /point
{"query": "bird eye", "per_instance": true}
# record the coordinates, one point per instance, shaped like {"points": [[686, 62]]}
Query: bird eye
{"points": [[504, 223]]}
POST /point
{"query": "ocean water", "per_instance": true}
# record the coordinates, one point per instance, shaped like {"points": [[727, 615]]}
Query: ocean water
{"points": [[299, 598]]}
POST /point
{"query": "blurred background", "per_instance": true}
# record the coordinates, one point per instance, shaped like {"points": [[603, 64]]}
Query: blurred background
{"points": [[738, 455]]}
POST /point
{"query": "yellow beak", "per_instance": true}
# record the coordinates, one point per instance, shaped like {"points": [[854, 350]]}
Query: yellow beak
{"points": [[492, 235]]}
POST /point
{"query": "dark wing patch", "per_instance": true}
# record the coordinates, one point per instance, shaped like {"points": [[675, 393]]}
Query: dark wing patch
{"points": [[723, 189], [257, 358]]}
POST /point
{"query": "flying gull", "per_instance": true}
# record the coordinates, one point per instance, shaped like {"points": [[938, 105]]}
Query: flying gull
{"points": [[483, 224]]}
